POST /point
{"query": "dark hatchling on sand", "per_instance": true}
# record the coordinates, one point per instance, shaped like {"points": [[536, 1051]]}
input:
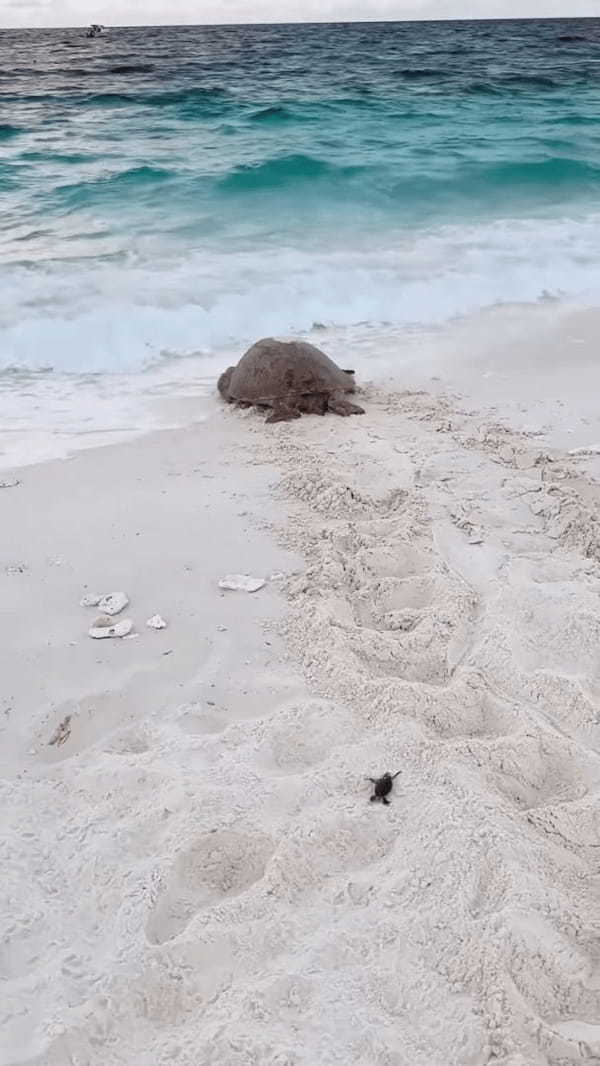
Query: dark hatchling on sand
{"points": [[292, 378], [383, 787]]}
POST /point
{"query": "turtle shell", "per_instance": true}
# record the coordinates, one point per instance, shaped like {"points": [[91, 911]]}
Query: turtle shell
{"points": [[272, 370]]}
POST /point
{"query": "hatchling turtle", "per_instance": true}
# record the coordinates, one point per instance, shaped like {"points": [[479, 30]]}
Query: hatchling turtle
{"points": [[383, 787], [290, 377]]}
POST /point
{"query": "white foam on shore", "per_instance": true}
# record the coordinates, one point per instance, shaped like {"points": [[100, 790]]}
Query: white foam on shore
{"points": [[50, 416], [121, 314]]}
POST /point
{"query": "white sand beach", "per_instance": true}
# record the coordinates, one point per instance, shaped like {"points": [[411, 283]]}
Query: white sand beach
{"points": [[193, 872]]}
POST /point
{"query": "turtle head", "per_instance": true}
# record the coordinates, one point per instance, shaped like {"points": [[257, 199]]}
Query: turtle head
{"points": [[223, 383], [351, 386]]}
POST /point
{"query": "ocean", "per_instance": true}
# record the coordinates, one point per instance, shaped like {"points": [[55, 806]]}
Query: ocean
{"points": [[171, 194]]}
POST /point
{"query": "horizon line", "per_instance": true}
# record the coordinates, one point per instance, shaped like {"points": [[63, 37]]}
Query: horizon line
{"points": [[311, 22]]}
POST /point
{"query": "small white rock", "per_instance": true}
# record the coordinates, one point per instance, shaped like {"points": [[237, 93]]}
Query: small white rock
{"points": [[221, 629], [156, 622], [9, 483], [90, 600], [242, 583], [113, 603], [105, 627]]}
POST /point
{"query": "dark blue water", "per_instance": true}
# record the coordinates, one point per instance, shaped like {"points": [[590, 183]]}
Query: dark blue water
{"points": [[168, 190]]}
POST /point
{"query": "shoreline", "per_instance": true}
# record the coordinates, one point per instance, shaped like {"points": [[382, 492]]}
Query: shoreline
{"points": [[480, 357], [206, 878]]}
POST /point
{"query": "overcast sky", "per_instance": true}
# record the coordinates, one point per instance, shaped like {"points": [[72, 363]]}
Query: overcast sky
{"points": [[143, 12]]}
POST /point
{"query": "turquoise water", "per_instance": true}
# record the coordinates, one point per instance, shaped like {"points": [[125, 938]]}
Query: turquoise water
{"points": [[178, 190]]}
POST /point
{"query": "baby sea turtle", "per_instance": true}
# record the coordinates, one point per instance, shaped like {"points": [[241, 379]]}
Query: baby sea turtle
{"points": [[290, 377], [383, 787]]}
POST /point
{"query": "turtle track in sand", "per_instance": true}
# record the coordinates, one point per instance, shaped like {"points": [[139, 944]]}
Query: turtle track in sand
{"points": [[451, 600], [260, 908]]}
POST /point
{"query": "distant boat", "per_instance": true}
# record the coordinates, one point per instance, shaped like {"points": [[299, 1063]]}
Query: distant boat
{"points": [[95, 30]]}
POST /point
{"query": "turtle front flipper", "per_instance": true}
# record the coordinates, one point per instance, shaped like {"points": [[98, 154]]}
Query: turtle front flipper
{"points": [[341, 406], [283, 412], [314, 403]]}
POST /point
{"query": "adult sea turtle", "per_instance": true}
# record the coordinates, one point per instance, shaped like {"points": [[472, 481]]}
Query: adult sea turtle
{"points": [[291, 378]]}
